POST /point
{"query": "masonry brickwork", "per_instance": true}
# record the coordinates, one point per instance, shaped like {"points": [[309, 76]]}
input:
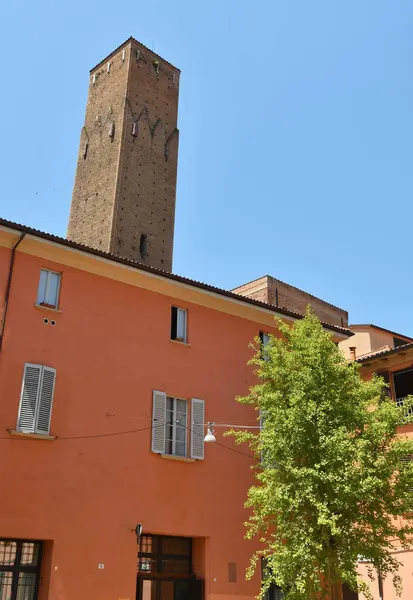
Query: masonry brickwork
{"points": [[273, 291], [125, 186]]}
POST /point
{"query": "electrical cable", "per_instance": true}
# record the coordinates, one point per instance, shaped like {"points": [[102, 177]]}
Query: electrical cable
{"points": [[222, 445], [87, 437], [116, 433]]}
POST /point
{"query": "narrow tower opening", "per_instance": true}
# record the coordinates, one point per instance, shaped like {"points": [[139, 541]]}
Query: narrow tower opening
{"points": [[143, 245]]}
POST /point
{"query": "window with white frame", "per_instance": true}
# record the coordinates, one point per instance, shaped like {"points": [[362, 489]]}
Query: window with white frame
{"points": [[36, 399], [178, 426], [49, 287], [179, 324]]}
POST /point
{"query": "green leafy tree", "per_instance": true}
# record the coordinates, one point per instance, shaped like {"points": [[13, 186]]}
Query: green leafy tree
{"points": [[334, 473]]}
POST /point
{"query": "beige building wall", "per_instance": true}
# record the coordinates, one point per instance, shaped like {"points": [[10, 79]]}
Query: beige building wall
{"points": [[368, 339]]}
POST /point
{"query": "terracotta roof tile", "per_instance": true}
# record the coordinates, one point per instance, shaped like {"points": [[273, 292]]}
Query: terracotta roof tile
{"points": [[383, 352]]}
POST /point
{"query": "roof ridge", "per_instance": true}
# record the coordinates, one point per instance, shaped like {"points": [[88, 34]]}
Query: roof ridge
{"points": [[132, 39], [372, 355], [401, 335], [294, 287]]}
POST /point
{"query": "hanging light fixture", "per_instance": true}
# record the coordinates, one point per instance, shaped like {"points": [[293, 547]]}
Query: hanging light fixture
{"points": [[210, 437]]}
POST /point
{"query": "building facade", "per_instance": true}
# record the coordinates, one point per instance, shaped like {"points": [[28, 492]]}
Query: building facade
{"points": [[109, 372]]}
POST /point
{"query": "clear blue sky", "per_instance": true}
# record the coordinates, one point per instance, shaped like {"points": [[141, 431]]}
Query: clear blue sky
{"points": [[296, 129]]}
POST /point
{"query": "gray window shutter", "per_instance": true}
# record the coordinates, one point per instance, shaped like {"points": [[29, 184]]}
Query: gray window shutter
{"points": [[197, 429], [158, 422], [28, 398], [45, 401]]}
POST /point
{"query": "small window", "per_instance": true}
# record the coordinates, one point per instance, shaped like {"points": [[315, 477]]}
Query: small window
{"points": [[49, 286], [274, 592], [178, 324], [399, 342], [36, 399], [143, 245], [403, 387], [176, 427], [265, 338]]}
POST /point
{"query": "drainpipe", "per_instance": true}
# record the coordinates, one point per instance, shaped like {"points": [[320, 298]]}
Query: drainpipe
{"points": [[7, 295]]}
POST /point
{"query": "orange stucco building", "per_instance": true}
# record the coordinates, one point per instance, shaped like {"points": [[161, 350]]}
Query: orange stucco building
{"points": [[103, 417]]}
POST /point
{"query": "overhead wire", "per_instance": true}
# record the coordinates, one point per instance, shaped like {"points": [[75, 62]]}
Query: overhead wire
{"points": [[116, 433], [219, 443]]}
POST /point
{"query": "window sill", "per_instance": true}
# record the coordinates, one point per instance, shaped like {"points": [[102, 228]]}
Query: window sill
{"points": [[180, 343], [55, 310], [180, 458], [30, 436]]}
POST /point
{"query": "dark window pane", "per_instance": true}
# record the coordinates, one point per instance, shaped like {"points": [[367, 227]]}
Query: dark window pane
{"points": [[348, 594], [167, 590], [7, 553], [403, 383], [176, 545], [174, 322], [399, 342], [274, 593], [175, 565], [182, 589]]}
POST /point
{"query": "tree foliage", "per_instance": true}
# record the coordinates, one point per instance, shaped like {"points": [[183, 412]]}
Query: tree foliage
{"points": [[335, 475]]}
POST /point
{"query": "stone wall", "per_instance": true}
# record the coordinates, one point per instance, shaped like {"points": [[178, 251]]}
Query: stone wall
{"points": [[125, 186]]}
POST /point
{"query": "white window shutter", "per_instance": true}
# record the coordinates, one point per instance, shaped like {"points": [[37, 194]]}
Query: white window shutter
{"points": [[197, 429], [158, 422], [45, 402], [28, 398]]}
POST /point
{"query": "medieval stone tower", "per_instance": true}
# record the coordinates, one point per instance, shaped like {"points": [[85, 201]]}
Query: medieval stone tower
{"points": [[124, 194]]}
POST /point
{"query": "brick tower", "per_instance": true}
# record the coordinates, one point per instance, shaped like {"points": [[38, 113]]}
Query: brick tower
{"points": [[124, 194]]}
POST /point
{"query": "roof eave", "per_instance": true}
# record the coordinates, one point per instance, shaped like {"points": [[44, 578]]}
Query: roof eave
{"points": [[281, 312]]}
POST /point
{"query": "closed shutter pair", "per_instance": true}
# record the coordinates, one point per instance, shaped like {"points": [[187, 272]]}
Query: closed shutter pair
{"points": [[36, 399], [196, 429]]}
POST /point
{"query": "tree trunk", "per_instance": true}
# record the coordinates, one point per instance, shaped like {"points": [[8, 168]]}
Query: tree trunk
{"points": [[336, 591]]}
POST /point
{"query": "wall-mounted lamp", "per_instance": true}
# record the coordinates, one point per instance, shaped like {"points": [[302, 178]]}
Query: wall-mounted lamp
{"points": [[138, 531]]}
